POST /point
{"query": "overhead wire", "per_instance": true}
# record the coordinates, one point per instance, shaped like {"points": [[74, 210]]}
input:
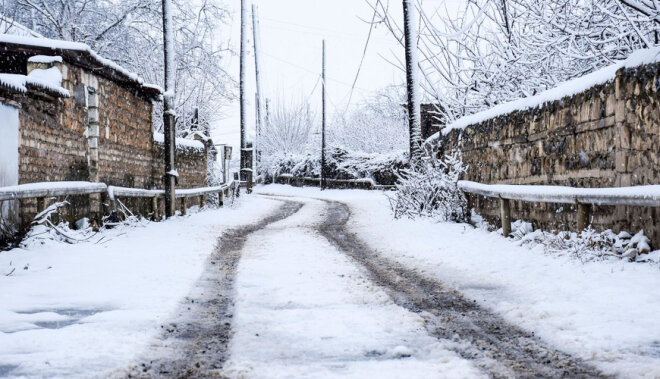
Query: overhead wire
{"points": [[364, 54]]}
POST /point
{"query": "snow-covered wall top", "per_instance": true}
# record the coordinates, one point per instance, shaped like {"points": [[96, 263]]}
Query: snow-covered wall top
{"points": [[569, 88], [49, 80], [180, 142], [45, 59], [59, 45]]}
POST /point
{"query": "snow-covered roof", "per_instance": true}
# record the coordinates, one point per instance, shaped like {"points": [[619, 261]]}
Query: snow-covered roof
{"points": [[569, 88], [49, 80], [81, 55]]}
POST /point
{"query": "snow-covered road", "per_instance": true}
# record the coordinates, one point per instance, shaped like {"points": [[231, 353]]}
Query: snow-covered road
{"points": [[305, 309]]}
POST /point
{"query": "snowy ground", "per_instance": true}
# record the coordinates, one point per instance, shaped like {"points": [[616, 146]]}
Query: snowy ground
{"points": [[87, 309], [303, 309], [604, 312]]}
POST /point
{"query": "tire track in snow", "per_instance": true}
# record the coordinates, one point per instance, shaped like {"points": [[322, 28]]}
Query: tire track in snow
{"points": [[500, 349], [195, 346]]}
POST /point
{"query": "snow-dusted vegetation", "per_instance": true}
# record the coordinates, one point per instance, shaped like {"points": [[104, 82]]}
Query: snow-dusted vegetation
{"points": [[368, 141], [430, 189], [129, 33], [493, 52]]}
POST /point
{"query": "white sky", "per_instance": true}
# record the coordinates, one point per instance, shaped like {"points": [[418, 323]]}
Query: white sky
{"points": [[291, 35]]}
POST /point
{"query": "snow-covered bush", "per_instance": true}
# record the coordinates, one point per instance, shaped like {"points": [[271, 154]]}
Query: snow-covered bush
{"points": [[586, 246], [431, 190], [383, 169], [367, 142]]}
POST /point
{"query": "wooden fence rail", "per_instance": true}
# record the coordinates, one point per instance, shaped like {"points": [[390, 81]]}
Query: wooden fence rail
{"points": [[42, 191], [584, 198]]}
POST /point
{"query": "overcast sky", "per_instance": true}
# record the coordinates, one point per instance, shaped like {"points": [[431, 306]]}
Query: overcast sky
{"points": [[291, 35]]}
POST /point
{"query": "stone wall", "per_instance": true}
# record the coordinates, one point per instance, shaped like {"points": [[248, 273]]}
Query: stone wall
{"points": [[607, 136], [102, 133], [191, 165]]}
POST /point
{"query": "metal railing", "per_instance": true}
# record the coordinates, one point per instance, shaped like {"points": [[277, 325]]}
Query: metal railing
{"points": [[583, 198], [42, 191]]}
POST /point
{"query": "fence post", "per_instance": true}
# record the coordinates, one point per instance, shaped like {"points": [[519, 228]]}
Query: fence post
{"points": [[184, 206], [505, 214], [154, 207], [221, 198], [202, 201], [41, 204], [583, 215]]}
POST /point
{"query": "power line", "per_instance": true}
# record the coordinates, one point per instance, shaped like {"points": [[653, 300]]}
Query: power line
{"points": [[364, 54]]}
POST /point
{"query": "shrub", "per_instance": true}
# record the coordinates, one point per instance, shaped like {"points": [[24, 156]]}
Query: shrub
{"points": [[431, 190]]}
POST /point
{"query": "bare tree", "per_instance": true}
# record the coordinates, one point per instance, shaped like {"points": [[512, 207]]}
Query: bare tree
{"points": [[129, 33], [495, 51]]}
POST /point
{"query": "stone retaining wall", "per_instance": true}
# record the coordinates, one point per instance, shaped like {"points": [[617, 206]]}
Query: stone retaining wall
{"points": [[607, 136]]}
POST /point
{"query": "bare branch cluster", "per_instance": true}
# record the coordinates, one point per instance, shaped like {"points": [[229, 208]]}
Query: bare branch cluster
{"points": [[129, 32], [494, 51]]}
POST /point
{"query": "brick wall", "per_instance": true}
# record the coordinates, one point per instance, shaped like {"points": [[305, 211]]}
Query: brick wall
{"points": [[58, 143], [607, 136]]}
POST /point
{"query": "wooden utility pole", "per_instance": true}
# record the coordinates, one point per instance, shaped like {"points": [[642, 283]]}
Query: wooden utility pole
{"points": [[169, 115], [246, 153], [257, 68], [323, 94], [412, 76]]}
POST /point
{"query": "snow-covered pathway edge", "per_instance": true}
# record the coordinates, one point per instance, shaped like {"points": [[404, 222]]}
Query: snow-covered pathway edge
{"points": [[88, 309]]}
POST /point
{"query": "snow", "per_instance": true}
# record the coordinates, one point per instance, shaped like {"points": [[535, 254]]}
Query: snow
{"points": [[49, 79], [45, 59], [604, 312], [303, 309], [50, 187], [649, 194], [74, 46], [90, 309], [180, 142], [566, 89]]}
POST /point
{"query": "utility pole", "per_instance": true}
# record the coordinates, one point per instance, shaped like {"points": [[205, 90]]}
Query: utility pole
{"points": [[412, 76], [246, 153], [257, 67], [323, 163], [169, 115]]}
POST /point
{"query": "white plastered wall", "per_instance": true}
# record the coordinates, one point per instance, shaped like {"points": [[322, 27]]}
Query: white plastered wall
{"points": [[8, 164]]}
